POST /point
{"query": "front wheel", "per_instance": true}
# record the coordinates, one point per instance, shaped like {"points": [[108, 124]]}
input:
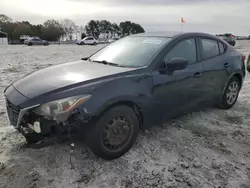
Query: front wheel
{"points": [[230, 94], [31, 138], [114, 133]]}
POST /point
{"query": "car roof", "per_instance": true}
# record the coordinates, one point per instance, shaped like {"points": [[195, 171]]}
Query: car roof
{"points": [[172, 34]]}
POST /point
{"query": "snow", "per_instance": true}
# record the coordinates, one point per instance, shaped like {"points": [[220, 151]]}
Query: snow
{"points": [[209, 148]]}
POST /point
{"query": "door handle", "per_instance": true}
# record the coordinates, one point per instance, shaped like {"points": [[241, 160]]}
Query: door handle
{"points": [[226, 65], [197, 74]]}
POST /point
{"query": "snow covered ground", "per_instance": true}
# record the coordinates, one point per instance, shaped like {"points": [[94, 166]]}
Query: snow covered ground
{"points": [[205, 149]]}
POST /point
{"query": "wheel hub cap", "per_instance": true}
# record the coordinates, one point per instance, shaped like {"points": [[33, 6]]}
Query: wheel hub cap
{"points": [[116, 133], [232, 92]]}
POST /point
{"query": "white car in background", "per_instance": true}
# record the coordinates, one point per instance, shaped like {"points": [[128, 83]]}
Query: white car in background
{"points": [[88, 40]]}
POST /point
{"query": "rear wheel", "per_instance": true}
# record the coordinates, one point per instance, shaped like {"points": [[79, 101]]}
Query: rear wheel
{"points": [[30, 44], [231, 93], [114, 133], [82, 43], [248, 68], [248, 63]]}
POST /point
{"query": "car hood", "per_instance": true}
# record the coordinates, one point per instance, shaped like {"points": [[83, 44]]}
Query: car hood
{"points": [[62, 75]]}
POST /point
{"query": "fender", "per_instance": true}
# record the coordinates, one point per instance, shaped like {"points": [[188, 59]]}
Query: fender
{"points": [[234, 74], [119, 100]]}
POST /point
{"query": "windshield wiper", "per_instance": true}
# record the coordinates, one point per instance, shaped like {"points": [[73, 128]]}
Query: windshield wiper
{"points": [[106, 63], [85, 58]]}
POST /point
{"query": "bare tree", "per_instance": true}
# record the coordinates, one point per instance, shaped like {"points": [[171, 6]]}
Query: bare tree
{"points": [[4, 18], [70, 28]]}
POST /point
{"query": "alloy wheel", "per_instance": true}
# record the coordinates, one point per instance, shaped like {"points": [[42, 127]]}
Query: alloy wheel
{"points": [[232, 92]]}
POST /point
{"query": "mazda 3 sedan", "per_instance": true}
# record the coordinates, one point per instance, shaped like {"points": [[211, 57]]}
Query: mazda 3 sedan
{"points": [[127, 86]]}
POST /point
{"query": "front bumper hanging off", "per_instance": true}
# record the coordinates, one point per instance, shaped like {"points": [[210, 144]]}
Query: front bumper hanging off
{"points": [[37, 128]]}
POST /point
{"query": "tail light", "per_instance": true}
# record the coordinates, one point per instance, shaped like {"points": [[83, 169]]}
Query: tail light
{"points": [[243, 58]]}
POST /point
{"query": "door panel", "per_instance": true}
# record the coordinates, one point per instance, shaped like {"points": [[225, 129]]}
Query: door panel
{"points": [[34, 42], [177, 93], [86, 41], [89, 41], [215, 69]]}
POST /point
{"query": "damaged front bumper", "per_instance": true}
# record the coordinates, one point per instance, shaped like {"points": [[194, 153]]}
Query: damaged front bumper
{"points": [[31, 124], [39, 129]]}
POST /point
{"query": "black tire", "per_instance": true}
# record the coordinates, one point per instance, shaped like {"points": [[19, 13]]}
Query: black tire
{"points": [[97, 133], [248, 68], [248, 63], [94, 43], [30, 44], [225, 104], [82, 43], [33, 138]]}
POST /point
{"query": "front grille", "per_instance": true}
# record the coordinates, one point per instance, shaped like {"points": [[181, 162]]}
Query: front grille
{"points": [[13, 112]]}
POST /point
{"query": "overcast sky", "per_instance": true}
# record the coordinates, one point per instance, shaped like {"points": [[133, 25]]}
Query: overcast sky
{"points": [[212, 16]]}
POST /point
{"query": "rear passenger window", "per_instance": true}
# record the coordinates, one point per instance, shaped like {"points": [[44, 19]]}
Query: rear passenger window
{"points": [[185, 49], [222, 47], [210, 48]]}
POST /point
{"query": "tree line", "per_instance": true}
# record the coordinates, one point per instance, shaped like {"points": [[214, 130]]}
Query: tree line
{"points": [[54, 30]]}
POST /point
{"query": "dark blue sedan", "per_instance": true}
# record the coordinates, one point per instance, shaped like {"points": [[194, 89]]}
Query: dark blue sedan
{"points": [[127, 86]]}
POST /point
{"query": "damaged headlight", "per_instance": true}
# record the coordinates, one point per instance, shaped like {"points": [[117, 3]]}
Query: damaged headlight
{"points": [[62, 106]]}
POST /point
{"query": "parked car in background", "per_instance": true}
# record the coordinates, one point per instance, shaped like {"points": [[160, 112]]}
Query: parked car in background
{"points": [[229, 39], [24, 37], [14, 42], [129, 85], [88, 40], [36, 41]]}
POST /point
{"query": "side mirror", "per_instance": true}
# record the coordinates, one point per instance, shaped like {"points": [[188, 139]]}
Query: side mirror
{"points": [[176, 63]]}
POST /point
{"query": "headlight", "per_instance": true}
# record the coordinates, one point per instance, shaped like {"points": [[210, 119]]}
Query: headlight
{"points": [[61, 106]]}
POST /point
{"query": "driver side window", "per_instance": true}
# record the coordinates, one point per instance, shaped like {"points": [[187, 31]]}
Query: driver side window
{"points": [[185, 49]]}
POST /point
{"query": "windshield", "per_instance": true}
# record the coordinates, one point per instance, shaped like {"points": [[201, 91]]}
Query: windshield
{"points": [[130, 51]]}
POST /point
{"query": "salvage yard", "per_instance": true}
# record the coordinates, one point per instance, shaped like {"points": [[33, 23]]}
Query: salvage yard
{"points": [[205, 149]]}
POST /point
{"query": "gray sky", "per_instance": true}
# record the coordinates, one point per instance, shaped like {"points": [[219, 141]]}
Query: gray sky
{"points": [[212, 16]]}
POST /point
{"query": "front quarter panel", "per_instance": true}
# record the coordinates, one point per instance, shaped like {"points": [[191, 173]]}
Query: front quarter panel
{"points": [[136, 89]]}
